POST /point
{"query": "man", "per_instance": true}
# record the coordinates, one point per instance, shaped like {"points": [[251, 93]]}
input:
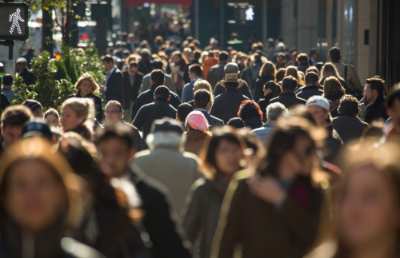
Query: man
{"points": [[132, 82], [319, 108], [27, 75], [232, 68], [12, 122], [280, 61], [217, 72], [184, 110], [227, 104], [145, 66], [348, 72], [374, 95], [196, 58], [131, 44], [287, 97], [35, 107], [302, 60], [202, 103], [115, 144], [38, 127], [274, 111], [311, 88], [195, 73], [6, 90], [166, 163], [30, 54], [157, 79], [160, 108], [314, 56], [114, 115], [146, 83], [114, 88], [348, 124]]}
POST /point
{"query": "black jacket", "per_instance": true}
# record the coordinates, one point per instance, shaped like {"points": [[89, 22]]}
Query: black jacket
{"points": [[376, 110], [160, 108], [145, 67], [212, 120], [147, 97], [253, 123], [138, 138], [4, 102], [166, 239], [309, 91], [303, 67], [28, 77], [263, 103], [226, 105], [259, 89], [97, 104], [349, 127], [333, 145], [288, 99], [131, 92], [115, 87], [244, 90]]}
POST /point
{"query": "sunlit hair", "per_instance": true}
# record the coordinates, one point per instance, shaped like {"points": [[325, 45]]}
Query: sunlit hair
{"points": [[203, 84], [249, 109], [86, 76], [53, 112], [332, 86], [329, 69], [83, 107], [280, 74], [72, 136], [132, 58], [312, 69], [292, 71], [268, 68], [170, 140], [302, 76], [36, 148]]}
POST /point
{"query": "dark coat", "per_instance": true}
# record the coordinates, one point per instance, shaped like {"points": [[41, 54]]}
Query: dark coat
{"points": [[303, 67], [131, 93], [263, 103], [309, 91], [145, 67], [259, 89], [215, 74], [29, 57], [28, 77], [98, 106], [4, 102], [253, 123], [115, 87], [376, 110], [227, 105], [333, 145], [288, 99], [166, 239], [147, 97], [349, 127], [160, 108], [244, 90], [138, 138], [212, 120]]}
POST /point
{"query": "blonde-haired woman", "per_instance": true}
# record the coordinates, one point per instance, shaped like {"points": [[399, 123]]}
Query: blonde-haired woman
{"points": [[330, 70], [86, 87], [202, 85], [77, 116], [267, 73], [292, 71]]}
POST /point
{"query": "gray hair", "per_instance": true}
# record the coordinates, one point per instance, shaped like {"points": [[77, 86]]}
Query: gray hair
{"points": [[165, 139], [231, 68], [275, 110]]}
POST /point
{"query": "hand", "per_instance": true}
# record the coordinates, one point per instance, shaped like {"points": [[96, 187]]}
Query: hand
{"points": [[267, 189], [101, 88]]}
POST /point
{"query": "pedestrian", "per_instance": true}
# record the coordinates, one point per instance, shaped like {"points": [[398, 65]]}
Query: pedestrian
{"points": [[7, 88], [293, 59], [280, 60], [30, 54], [202, 84], [52, 118], [221, 159], [314, 56], [196, 60], [77, 116], [178, 65], [217, 72], [374, 90], [348, 125], [203, 102], [132, 81], [280, 74], [116, 148], [195, 73], [311, 88], [184, 110], [146, 82], [113, 88], [227, 104], [12, 122], [197, 133], [28, 77], [292, 71], [87, 87], [319, 108], [232, 68], [209, 61], [251, 114], [35, 107], [393, 106], [254, 69], [334, 92], [147, 114], [303, 62], [145, 66], [37, 128], [281, 185], [330, 70], [273, 112], [271, 90], [267, 73], [287, 97], [39, 230], [236, 122]]}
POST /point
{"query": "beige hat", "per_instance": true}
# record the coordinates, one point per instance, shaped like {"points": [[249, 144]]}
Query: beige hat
{"points": [[232, 77]]}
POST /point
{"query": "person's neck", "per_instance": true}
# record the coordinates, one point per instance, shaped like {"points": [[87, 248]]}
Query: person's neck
{"points": [[286, 173], [382, 248], [199, 108], [7, 87]]}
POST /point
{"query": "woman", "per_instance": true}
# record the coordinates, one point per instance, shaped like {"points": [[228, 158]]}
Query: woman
{"points": [[41, 203], [271, 90], [205, 85], [52, 117], [178, 65], [330, 70], [334, 92], [267, 73], [86, 87], [276, 212], [280, 74], [221, 159], [292, 70], [77, 116], [197, 134], [250, 113]]}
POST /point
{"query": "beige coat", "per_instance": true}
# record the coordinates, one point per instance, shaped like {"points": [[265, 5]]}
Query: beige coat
{"points": [[352, 80]]}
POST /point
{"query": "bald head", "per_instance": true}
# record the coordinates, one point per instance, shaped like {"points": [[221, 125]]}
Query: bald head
{"points": [[231, 68]]}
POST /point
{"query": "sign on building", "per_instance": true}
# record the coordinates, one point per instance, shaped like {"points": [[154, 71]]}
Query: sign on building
{"points": [[14, 21]]}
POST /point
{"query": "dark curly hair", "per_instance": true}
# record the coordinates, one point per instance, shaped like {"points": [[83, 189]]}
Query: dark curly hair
{"points": [[249, 109]]}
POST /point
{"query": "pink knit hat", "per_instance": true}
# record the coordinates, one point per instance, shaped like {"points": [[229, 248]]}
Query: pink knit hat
{"points": [[197, 121]]}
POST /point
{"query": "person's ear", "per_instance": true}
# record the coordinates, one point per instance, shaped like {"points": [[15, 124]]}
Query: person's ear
{"points": [[154, 96], [177, 117], [151, 82], [208, 106], [169, 98], [316, 83], [164, 81], [132, 153]]}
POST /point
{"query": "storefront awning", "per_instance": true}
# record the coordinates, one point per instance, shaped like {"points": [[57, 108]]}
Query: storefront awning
{"points": [[140, 2]]}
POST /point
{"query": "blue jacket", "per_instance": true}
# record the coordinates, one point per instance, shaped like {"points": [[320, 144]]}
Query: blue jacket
{"points": [[187, 93]]}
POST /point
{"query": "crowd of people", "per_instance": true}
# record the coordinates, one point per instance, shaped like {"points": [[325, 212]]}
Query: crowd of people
{"points": [[210, 154]]}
